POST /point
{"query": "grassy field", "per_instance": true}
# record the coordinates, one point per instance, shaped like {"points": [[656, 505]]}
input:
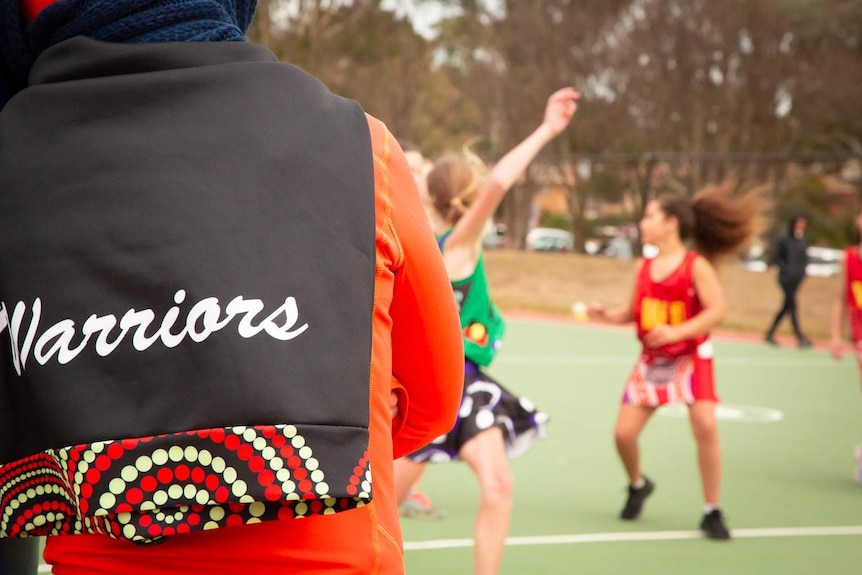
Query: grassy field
{"points": [[551, 282]]}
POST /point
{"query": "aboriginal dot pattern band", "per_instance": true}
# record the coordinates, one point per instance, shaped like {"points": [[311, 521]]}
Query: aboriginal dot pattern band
{"points": [[148, 488]]}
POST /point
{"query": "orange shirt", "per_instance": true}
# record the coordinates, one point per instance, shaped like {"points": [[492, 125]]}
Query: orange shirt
{"points": [[416, 340]]}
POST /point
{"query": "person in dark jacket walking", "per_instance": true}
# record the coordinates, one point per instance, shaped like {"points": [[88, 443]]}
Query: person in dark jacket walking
{"points": [[789, 255]]}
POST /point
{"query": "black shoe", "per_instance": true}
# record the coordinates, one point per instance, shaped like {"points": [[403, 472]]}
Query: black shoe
{"points": [[804, 342], [636, 499], [770, 340], [713, 526]]}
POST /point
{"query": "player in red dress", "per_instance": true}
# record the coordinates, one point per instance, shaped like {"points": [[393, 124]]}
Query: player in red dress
{"points": [[677, 301], [848, 303]]}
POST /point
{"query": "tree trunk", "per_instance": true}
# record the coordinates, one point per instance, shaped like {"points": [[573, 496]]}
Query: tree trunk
{"points": [[516, 215]]}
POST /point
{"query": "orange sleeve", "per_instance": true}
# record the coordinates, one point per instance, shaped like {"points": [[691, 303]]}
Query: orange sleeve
{"points": [[427, 349], [416, 353]]}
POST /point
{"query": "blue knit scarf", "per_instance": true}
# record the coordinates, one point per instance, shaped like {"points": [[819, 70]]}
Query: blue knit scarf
{"points": [[127, 21]]}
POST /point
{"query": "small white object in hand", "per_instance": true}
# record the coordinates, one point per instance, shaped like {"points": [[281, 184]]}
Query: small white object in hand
{"points": [[579, 310]]}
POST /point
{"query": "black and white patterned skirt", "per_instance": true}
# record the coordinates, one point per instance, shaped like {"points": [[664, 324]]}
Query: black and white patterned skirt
{"points": [[485, 404]]}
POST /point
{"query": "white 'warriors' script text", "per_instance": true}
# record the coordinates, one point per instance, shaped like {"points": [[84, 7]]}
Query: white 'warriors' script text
{"points": [[203, 319]]}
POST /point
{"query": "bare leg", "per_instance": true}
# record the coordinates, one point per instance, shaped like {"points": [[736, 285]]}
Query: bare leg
{"points": [[407, 475], [486, 456], [705, 429], [630, 422]]}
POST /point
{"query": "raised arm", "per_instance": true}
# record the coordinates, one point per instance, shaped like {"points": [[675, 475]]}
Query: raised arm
{"points": [[559, 110]]}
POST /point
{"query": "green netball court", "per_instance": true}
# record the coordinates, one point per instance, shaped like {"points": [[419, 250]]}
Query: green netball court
{"points": [[790, 421]]}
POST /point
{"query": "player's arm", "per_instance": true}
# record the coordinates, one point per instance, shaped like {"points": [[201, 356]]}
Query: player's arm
{"points": [[714, 310], [468, 231], [839, 314], [779, 251], [620, 315], [427, 347]]}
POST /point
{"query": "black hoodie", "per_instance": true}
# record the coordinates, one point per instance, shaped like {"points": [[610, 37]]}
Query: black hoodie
{"points": [[789, 254]]}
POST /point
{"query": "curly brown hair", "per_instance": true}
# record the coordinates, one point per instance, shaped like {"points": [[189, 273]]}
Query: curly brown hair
{"points": [[718, 220]]}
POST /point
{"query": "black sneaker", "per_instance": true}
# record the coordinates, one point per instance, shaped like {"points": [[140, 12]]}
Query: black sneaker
{"points": [[636, 499], [770, 340], [804, 342], [713, 526]]}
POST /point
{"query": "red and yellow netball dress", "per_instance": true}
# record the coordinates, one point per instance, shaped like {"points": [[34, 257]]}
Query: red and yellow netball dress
{"points": [[853, 289], [680, 371]]}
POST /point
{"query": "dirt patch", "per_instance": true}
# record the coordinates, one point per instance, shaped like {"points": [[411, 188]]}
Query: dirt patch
{"points": [[552, 282]]}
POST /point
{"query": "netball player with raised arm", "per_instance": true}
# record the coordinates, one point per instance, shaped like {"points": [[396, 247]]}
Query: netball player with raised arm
{"points": [[492, 423]]}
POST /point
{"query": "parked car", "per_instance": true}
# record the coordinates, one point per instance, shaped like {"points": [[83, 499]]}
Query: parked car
{"points": [[612, 241], [600, 245], [550, 240], [754, 260], [822, 262], [494, 237]]}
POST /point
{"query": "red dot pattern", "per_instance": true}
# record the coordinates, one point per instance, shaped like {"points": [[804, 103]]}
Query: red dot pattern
{"points": [[361, 473], [148, 488]]}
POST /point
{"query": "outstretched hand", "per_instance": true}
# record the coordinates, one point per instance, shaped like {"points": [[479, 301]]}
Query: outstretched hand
{"points": [[836, 348], [560, 109], [597, 312]]}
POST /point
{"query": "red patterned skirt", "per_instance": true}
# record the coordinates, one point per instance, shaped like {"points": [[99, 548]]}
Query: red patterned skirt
{"points": [[655, 381]]}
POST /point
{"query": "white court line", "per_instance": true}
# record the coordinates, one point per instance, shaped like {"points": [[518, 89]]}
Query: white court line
{"points": [[575, 359], [639, 536], [624, 537]]}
